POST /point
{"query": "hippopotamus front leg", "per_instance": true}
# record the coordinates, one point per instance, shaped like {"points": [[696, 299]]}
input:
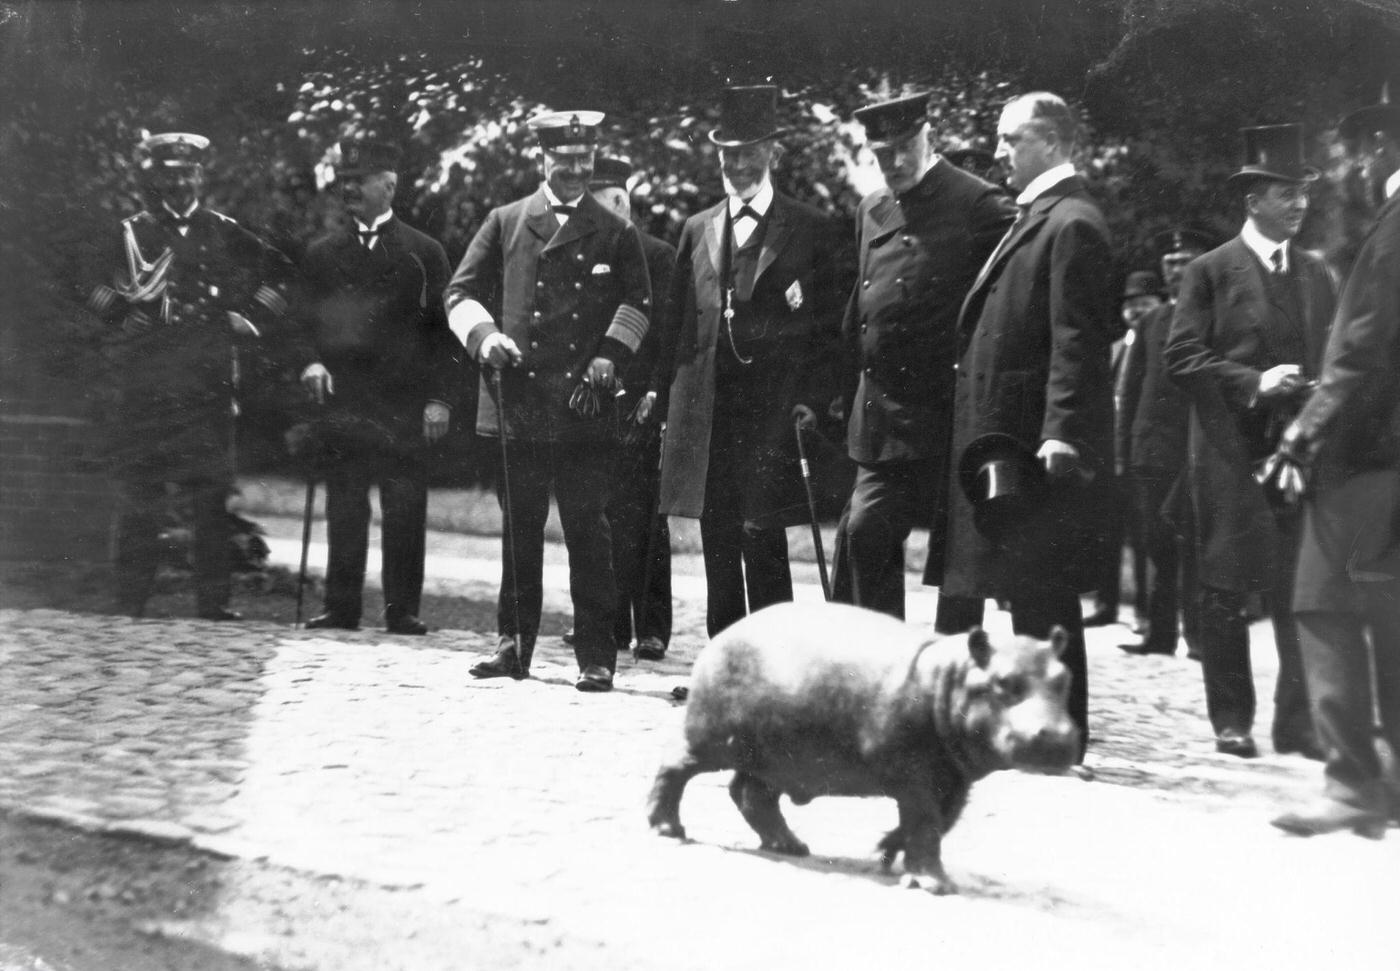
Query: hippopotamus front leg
{"points": [[920, 835], [758, 801], [664, 803]]}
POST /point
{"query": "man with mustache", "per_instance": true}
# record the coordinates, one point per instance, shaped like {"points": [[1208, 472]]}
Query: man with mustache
{"points": [[553, 294], [751, 304], [1245, 340]]}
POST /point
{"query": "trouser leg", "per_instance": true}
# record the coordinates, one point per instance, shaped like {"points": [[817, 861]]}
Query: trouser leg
{"points": [[403, 498], [347, 533], [522, 540], [1335, 660], [629, 516], [1292, 726], [582, 477], [1159, 544], [1034, 616], [874, 528], [767, 573], [1225, 664], [140, 505], [209, 502], [955, 615]]}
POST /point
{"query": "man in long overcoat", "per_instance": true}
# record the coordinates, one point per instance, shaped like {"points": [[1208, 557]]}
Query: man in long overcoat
{"points": [[1245, 341], [752, 298], [387, 374], [1348, 582], [920, 242], [187, 285], [641, 540], [553, 295], [1035, 332]]}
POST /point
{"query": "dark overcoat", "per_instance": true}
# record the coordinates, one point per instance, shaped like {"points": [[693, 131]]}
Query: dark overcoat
{"points": [[555, 291], [1224, 334], [176, 375], [377, 323], [918, 255], [1159, 412], [1035, 332], [795, 258], [1354, 418]]}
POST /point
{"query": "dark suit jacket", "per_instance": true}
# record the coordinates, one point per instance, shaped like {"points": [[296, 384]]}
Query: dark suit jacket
{"points": [[1224, 334], [1157, 431], [378, 325], [794, 304], [565, 295], [1035, 333], [918, 257], [175, 373]]}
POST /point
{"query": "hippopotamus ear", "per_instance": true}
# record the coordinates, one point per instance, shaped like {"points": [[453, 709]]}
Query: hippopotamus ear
{"points": [[979, 647], [1059, 640]]}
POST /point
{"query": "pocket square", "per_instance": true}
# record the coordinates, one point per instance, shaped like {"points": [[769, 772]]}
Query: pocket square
{"points": [[600, 268], [794, 295]]}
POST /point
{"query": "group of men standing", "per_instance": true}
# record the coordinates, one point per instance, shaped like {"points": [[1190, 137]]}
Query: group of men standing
{"points": [[973, 368]]}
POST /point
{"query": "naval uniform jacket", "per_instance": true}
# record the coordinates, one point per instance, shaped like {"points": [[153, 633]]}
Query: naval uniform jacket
{"points": [[1035, 333], [378, 325], [564, 295], [1225, 333], [1354, 415], [782, 323], [176, 376]]}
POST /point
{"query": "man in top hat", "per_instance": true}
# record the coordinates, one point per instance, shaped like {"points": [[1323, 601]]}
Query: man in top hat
{"points": [[187, 285], [1348, 581], [386, 374], [641, 541], [1034, 337], [553, 295], [752, 297], [1155, 412], [1142, 293], [920, 242], [1245, 341]]}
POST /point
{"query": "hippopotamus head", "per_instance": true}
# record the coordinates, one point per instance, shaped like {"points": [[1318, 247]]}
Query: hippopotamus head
{"points": [[1014, 703]]}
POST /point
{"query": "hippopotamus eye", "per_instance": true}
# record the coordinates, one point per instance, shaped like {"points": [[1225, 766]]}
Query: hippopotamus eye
{"points": [[1010, 687]]}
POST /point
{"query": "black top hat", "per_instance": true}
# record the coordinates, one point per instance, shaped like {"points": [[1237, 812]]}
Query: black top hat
{"points": [[1381, 116], [173, 149], [893, 121], [1003, 480], [973, 159], [1142, 283], [567, 131], [747, 115], [610, 173], [366, 157], [1273, 152], [1182, 241]]}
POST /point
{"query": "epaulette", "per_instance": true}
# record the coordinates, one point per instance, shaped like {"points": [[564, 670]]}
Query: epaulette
{"points": [[136, 217]]}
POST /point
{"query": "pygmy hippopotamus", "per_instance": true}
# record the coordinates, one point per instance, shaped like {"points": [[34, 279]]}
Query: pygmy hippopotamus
{"points": [[832, 700]]}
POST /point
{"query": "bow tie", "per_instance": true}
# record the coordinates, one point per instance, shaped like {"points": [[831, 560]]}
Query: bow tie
{"points": [[746, 211], [564, 210]]}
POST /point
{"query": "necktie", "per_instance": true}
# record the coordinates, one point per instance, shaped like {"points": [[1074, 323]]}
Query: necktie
{"points": [[1276, 260]]}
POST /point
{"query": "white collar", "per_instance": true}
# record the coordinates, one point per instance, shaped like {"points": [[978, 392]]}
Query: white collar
{"points": [[1051, 176], [554, 200], [1264, 247], [374, 228], [181, 215], [1392, 184], [760, 202]]}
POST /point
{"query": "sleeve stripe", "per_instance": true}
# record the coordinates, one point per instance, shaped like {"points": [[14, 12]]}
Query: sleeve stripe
{"points": [[271, 299], [628, 327]]}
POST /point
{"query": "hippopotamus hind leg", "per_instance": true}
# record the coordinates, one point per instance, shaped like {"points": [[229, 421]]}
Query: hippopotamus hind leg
{"points": [[758, 801]]}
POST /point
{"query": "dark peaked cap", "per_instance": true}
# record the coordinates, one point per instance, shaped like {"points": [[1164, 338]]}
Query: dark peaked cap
{"points": [[891, 121], [173, 149], [1182, 240], [610, 172], [1382, 116]]}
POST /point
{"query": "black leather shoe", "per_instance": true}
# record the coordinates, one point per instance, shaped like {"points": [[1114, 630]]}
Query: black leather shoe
{"points": [[331, 620], [1306, 747], [220, 613], [1236, 743], [649, 649], [505, 663], [595, 677], [568, 637], [405, 624], [1146, 647], [1330, 816]]}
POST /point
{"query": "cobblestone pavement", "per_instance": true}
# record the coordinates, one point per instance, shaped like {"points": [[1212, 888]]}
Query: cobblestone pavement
{"points": [[367, 756]]}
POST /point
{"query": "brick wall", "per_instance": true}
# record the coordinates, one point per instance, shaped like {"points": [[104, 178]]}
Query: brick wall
{"points": [[55, 501]]}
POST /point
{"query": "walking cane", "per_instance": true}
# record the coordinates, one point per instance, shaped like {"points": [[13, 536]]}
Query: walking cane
{"points": [[509, 520], [305, 543], [812, 509], [644, 599]]}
